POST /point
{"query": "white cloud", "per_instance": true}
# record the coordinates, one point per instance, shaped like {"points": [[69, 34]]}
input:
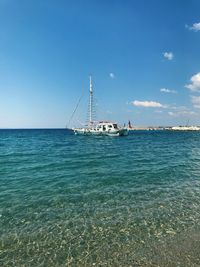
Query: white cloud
{"points": [[178, 108], [178, 111], [195, 101], [168, 55], [165, 90], [195, 83], [181, 113], [195, 27], [147, 104], [112, 75]]}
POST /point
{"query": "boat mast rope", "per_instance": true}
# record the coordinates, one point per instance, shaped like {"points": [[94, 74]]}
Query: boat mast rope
{"points": [[74, 110]]}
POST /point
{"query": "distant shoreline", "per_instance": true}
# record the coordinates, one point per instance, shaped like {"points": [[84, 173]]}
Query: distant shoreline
{"points": [[35, 129], [132, 129]]}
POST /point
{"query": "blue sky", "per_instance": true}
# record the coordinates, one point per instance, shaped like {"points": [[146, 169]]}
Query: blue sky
{"points": [[143, 56]]}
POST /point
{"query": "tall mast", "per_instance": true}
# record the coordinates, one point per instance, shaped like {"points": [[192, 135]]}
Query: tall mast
{"points": [[90, 103]]}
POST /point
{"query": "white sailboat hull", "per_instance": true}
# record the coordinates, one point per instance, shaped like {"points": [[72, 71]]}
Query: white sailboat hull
{"points": [[91, 131]]}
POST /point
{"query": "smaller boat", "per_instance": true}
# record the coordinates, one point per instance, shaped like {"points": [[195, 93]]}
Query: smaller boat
{"points": [[102, 127]]}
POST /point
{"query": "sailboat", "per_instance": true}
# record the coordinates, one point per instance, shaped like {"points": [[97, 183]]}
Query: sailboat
{"points": [[102, 127]]}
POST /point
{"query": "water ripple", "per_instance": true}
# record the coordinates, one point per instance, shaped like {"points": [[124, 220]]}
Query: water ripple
{"points": [[70, 200]]}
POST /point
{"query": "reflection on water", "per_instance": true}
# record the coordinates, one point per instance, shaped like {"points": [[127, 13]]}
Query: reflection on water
{"points": [[70, 200]]}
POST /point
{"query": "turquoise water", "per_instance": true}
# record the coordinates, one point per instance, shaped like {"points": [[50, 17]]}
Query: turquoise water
{"points": [[70, 200]]}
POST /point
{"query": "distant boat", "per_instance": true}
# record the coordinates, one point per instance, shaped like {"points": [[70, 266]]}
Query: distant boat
{"points": [[102, 127]]}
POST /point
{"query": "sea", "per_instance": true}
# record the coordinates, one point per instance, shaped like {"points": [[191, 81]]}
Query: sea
{"points": [[69, 200]]}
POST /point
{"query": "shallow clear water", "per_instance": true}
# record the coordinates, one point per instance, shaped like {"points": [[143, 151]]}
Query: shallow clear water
{"points": [[70, 200]]}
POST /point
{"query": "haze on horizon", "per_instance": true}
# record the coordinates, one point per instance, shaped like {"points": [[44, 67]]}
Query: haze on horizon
{"points": [[143, 57]]}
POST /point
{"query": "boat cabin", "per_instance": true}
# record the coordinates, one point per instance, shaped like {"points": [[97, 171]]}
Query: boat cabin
{"points": [[106, 126]]}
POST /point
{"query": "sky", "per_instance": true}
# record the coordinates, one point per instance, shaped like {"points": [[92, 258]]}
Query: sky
{"points": [[143, 55]]}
